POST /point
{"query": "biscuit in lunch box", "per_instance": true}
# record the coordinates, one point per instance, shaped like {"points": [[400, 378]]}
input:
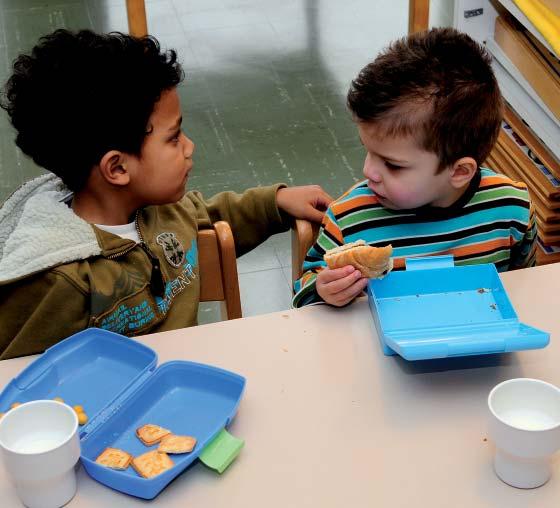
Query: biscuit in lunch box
{"points": [[152, 463], [151, 434], [177, 444], [114, 458]]}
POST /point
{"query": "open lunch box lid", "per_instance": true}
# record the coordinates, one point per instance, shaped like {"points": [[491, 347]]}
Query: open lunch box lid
{"points": [[435, 309], [116, 380]]}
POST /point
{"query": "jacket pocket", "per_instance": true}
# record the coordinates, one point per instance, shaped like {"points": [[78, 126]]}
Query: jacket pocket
{"points": [[132, 315]]}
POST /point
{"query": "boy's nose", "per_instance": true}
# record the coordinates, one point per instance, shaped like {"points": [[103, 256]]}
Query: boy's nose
{"points": [[371, 171], [189, 147], [374, 176]]}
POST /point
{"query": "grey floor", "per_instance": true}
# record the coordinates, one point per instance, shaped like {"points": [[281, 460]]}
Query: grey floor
{"points": [[264, 96]]}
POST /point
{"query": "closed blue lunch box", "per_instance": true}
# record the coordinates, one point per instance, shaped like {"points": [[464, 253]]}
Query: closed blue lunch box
{"points": [[435, 309]]}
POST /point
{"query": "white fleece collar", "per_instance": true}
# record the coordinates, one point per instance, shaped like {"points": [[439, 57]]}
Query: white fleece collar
{"points": [[39, 231]]}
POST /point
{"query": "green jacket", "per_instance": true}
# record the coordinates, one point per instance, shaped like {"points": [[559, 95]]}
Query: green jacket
{"points": [[60, 274]]}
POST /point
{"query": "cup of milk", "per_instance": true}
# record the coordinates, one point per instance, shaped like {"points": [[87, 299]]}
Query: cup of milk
{"points": [[525, 426], [40, 447]]}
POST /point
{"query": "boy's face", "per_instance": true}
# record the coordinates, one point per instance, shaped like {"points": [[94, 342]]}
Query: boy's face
{"points": [[403, 175], [159, 174]]}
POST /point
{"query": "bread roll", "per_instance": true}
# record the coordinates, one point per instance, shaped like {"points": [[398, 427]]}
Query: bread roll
{"points": [[373, 262]]}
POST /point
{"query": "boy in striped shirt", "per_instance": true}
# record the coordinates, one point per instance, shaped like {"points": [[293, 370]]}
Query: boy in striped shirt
{"points": [[428, 111]]}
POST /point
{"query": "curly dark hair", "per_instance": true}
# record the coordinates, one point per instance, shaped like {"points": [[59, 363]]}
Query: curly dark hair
{"points": [[77, 95], [437, 85]]}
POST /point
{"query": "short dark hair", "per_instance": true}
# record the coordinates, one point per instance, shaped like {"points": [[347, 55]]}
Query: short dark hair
{"points": [[437, 85], [77, 95]]}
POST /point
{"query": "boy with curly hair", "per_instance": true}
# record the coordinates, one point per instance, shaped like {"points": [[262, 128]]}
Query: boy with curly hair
{"points": [[108, 238]]}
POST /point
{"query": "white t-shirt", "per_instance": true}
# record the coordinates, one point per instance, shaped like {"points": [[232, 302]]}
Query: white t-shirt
{"points": [[123, 230]]}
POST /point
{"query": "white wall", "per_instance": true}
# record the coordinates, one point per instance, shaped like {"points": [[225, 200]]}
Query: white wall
{"points": [[441, 12]]}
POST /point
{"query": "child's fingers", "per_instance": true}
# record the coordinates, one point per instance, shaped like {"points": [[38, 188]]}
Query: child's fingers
{"points": [[314, 215], [336, 286], [323, 200], [328, 275], [347, 295], [316, 209]]}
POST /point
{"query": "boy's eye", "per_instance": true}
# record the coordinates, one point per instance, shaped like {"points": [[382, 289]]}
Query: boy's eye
{"points": [[392, 166]]}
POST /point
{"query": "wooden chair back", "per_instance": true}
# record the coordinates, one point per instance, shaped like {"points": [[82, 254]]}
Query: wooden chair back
{"points": [[218, 269], [304, 234]]}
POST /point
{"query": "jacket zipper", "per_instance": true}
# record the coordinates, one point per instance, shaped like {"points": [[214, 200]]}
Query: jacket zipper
{"points": [[121, 253], [156, 279], [128, 249]]}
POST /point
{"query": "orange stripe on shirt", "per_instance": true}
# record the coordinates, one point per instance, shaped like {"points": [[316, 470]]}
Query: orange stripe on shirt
{"points": [[481, 248], [333, 230], [477, 248], [499, 179], [353, 203]]}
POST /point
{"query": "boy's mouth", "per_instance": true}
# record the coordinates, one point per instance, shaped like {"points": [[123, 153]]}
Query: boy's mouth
{"points": [[188, 170], [378, 194], [385, 201]]}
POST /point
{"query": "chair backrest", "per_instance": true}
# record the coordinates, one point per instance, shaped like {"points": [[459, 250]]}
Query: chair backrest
{"points": [[218, 269], [304, 234]]}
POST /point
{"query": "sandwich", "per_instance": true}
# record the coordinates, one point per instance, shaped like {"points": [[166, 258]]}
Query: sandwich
{"points": [[373, 262]]}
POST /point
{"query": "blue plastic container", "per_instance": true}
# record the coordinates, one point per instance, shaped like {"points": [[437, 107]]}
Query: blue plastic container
{"points": [[434, 309], [116, 380]]}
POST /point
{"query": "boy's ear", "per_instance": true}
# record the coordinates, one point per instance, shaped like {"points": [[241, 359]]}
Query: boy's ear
{"points": [[113, 168], [462, 171]]}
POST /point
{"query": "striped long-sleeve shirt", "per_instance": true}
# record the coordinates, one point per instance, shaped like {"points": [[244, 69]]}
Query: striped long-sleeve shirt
{"points": [[492, 222]]}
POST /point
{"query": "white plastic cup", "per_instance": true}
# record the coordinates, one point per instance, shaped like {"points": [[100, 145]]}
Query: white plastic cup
{"points": [[40, 447], [525, 426]]}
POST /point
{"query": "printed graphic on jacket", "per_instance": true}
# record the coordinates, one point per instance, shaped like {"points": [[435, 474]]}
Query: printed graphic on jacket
{"points": [[178, 285], [172, 248], [135, 312], [129, 317]]}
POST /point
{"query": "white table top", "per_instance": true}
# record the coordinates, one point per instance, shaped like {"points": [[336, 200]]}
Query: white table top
{"points": [[329, 421]]}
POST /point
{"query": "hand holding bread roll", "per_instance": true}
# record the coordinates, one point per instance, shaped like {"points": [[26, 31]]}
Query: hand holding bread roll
{"points": [[372, 262]]}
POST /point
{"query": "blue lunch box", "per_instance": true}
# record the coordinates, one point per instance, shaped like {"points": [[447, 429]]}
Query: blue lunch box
{"points": [[435, 309], [116, 380]]}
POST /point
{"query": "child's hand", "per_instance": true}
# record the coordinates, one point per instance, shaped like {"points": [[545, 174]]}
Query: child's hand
{"points": [[305, 202], [341, 285]]}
